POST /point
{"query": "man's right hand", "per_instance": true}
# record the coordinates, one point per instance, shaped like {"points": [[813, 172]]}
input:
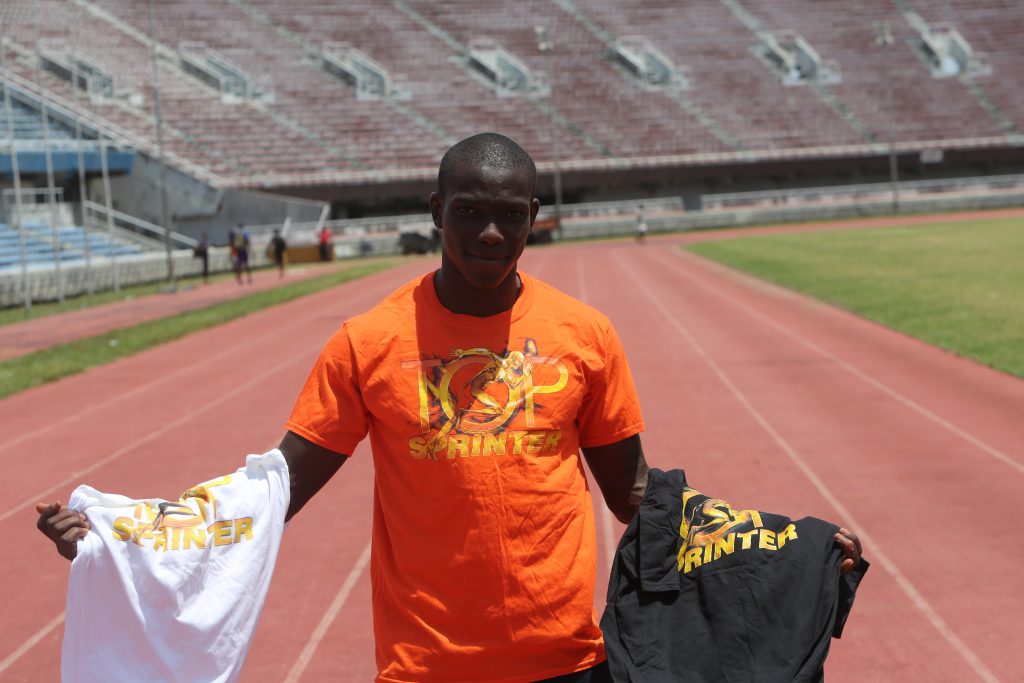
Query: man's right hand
{"points": [[63, 526]]}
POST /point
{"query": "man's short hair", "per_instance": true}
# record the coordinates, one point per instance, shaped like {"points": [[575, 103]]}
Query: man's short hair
{"points": [[485, 149]]}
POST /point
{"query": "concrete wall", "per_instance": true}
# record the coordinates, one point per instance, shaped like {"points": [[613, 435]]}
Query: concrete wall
{"points": [[138, 193]]}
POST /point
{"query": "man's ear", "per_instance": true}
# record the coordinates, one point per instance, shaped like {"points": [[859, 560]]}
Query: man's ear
{"points": [[534, 208], [436, 208]]}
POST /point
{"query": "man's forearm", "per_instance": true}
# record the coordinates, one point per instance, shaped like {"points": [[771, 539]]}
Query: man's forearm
{"points": [[621, 474], [309, 467]]}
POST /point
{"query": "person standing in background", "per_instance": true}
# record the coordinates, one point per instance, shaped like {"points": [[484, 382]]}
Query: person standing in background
{"points": [[325, 243], [241, 243], [202, 251], [641, 225], [278, 247]]}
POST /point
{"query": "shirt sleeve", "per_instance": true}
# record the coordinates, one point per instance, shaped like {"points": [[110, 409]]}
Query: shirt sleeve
{"points": [[330, 411], [611, 409]]}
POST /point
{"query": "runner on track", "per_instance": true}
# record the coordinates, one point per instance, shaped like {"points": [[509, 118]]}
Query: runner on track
{"points": [[478, 386]]}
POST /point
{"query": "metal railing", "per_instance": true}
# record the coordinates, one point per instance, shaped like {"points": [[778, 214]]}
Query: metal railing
{"points": [[149, 235], [848, 193]]}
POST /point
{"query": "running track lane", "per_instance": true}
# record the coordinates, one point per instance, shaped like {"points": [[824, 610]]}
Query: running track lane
{"points": [[766, 398], [156, 423], [823, 411]]}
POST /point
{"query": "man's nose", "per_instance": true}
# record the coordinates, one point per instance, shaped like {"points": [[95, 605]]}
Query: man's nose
{"points": [[491, 234]]}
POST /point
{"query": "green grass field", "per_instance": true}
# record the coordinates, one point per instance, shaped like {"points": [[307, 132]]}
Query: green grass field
{"points": [[60, 361], [959, 286]]}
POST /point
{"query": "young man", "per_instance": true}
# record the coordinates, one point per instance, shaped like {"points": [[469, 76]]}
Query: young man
{"points": [[641, 224], [278, 247], [241, 244], [478, 386], [324, 240], [202, 251]]}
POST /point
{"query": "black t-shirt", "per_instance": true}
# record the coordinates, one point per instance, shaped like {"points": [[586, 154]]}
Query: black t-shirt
{"points": [[700, 592]]}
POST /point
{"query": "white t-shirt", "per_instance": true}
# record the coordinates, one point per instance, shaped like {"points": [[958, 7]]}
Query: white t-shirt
{"points": [[171, 591]]}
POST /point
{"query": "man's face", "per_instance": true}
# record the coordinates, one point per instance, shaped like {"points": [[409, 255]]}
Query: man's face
{"points": [[484, 217]]}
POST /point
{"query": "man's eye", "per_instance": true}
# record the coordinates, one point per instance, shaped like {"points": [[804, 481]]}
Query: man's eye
{"points": [[515, 214], [464, 210]]}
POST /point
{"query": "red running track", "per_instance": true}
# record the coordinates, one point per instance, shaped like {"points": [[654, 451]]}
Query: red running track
{"points": [[768, 399]]}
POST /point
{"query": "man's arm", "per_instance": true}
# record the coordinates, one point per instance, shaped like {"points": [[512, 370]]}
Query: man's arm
{"points": [[309, 467], [621, 474]]}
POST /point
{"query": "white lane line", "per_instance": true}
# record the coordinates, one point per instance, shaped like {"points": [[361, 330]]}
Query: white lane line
{"points": [[604, 515], [581, 280], [199, 365], [30, 643], [882, 558], [884, 388], [183, 419], [328, 618]]}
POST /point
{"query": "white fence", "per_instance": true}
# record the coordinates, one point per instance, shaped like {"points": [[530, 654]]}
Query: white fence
{"points": [[98, 276]]}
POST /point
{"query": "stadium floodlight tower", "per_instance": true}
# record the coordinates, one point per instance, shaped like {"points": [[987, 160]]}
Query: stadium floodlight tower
{"points": [[15, 219], [884, 39], [160, 157], [546, 45], [51, 189]]}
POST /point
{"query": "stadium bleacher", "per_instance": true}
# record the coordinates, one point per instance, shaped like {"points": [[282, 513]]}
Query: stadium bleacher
{"points": [[303, 126], [39, 246], [923, 107], [29, 126]]}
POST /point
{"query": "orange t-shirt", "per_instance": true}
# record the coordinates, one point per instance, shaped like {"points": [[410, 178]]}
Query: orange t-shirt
{"points": [[484, 550]]}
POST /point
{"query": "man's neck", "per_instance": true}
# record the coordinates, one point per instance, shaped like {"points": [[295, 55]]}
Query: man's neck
{"points": [[458, 296]]}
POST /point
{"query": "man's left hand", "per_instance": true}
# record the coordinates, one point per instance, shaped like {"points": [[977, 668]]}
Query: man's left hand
{"points": [[850, 545]]}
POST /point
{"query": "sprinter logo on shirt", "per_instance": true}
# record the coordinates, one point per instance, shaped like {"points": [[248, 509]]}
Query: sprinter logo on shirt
{"points": [[468, 400], [711, 529], [190, 523]]}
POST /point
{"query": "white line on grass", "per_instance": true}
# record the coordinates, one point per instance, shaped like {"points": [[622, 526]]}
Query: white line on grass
{"points": [[328, 618], [905, 584], [884, 388]]}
